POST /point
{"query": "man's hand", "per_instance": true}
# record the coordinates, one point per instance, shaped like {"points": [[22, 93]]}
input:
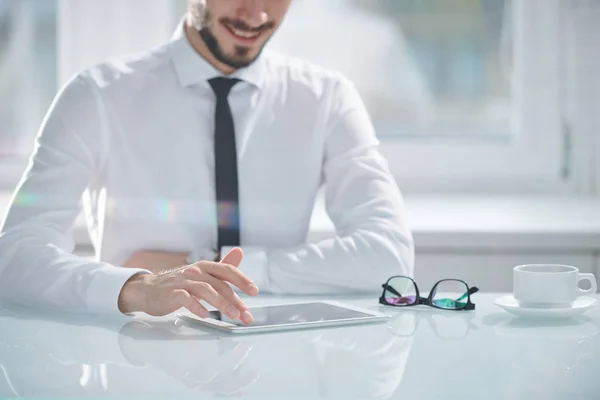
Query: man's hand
{"points": [[156, 261], [165, 293]]}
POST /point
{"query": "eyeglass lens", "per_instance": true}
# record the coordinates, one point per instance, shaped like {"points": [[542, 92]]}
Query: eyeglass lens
{"points": [[450, 295], [400, 291]]}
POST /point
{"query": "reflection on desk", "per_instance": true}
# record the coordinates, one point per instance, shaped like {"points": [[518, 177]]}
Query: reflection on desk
{"points": [[566, 348], [420, 354], [42, 356]]}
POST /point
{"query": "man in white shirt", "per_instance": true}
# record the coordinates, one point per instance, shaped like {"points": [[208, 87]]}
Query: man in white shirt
{"points": [[201, 148]]}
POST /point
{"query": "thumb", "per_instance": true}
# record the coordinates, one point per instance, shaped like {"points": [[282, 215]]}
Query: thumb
{"points": [[234, 257]]}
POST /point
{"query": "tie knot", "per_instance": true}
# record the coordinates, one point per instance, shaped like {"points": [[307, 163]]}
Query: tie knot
{"points": [[222, 86]]}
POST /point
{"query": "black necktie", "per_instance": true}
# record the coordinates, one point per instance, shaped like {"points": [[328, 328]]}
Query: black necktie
{"points": [[226, 173]]}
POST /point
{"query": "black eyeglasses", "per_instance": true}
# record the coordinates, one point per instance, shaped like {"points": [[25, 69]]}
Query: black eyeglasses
{"points": [[447, 294]]}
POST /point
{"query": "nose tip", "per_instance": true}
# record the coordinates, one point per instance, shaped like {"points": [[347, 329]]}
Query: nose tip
{"points": [[253, 13], [262, 18], [257, 20]]}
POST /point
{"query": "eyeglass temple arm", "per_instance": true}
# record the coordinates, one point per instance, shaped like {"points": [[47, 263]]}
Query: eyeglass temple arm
{"points": [[391, 289], [469, 292]]}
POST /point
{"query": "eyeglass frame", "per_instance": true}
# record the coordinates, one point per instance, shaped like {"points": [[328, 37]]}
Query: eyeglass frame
{"points": [[427, 301]]}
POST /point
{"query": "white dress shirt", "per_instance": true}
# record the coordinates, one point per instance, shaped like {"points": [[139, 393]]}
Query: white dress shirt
{"points": [[133, 138]]}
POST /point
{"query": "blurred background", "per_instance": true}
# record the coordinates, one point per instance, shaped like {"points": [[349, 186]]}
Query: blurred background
{"points": [[487, 110], [433, 67]]}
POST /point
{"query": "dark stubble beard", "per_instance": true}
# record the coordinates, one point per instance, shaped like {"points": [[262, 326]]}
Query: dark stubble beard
{"points": [[240, 57]]}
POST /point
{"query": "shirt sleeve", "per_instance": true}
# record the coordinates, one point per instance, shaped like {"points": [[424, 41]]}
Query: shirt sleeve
{"points": [[37, 266], [372, 241]]}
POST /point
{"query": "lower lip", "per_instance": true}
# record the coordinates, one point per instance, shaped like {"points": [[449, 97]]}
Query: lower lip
{"points": [[242, 39]]}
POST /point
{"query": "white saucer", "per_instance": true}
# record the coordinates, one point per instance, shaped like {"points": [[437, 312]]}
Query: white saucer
{"points": [[581, 305]]}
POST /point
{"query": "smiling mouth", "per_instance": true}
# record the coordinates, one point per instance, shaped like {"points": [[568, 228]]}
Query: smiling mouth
{"points": [[243, 35]]}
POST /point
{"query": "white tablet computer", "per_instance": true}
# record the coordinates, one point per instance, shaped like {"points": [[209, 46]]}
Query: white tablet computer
{"points": [[290, 316]]}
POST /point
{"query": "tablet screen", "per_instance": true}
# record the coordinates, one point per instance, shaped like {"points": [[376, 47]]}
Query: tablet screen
{"points": [[293, 314]]}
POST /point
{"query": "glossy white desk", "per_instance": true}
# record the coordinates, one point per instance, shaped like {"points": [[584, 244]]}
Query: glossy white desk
{"points": [[485, 354]]}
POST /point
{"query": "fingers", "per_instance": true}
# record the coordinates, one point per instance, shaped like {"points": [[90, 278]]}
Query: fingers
{"points": [[233, 275], [206, 292], [224, 272], [184, 299], [227, 292], [234, 257]]}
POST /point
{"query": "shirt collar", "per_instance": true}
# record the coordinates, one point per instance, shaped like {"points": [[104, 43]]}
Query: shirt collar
{"points": [[192, 68]]}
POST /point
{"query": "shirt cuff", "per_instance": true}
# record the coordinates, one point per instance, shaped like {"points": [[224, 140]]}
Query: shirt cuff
{"points": [[254, 264], [102, 295]]}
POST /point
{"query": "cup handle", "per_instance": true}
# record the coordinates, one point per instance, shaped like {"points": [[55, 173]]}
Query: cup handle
{"points": [[587, 277]]}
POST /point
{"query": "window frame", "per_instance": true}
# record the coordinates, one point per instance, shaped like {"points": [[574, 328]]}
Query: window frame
{"points": [[530, 161], [583, 91]]}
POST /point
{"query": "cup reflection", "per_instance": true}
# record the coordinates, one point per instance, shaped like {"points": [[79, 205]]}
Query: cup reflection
{"points": [[542, 352]]}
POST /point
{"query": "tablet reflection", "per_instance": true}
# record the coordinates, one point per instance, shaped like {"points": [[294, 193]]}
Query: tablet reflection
{"points": [[42, 355], [199, 360], [361, 361]]}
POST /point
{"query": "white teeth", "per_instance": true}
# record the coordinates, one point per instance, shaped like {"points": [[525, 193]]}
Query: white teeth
{"points": [[247, 35]]}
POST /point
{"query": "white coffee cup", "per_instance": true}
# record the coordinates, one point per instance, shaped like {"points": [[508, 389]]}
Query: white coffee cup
{"points": [[549, 285]]}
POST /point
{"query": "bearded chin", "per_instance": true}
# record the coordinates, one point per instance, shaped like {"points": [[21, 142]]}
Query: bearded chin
{"points": [[203, 22], [238, 60]]}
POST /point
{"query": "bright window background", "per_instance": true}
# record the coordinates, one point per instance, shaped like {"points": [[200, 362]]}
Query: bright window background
{"points": [[28, 71], [466, 95], [425, 68]]}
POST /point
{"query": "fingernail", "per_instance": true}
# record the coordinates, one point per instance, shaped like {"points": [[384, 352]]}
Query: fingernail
{"points": [[233, 312], [253, 289], [247, 318]]}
